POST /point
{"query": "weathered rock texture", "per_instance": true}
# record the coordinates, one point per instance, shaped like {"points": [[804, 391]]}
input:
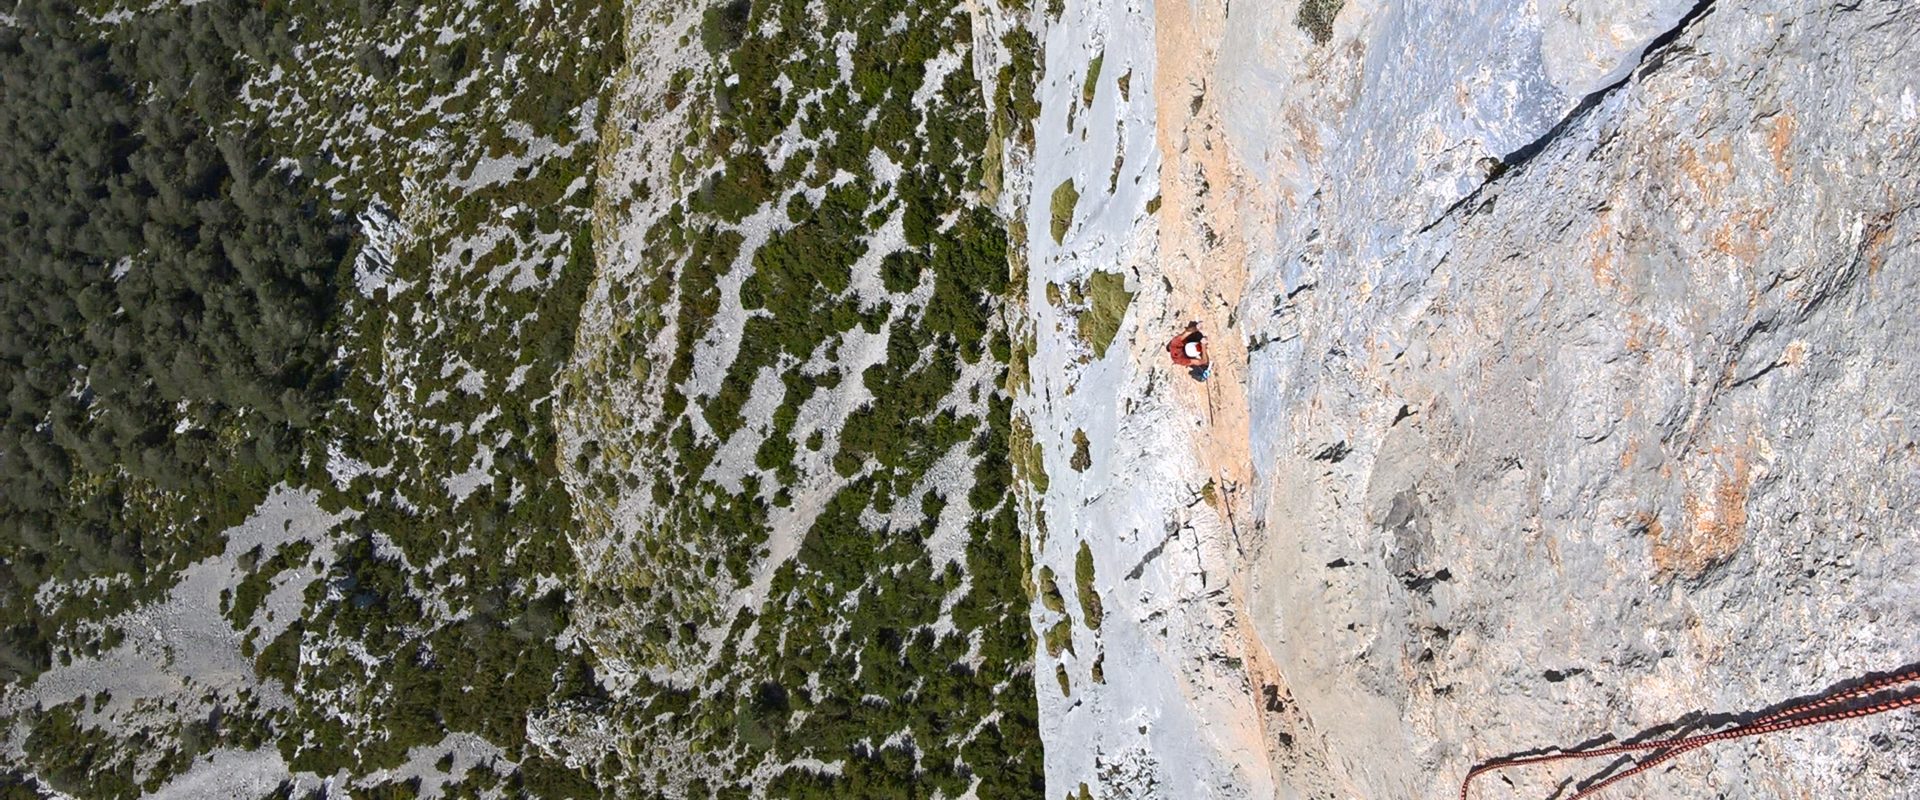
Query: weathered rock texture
{"points": [[1626, 431], [1580, 340]]}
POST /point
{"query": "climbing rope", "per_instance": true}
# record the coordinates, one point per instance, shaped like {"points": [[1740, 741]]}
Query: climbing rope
{"points": [[1798, 716]]}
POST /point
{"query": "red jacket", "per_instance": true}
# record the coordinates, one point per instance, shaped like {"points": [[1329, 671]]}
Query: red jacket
{"points": [[1177, 349]]}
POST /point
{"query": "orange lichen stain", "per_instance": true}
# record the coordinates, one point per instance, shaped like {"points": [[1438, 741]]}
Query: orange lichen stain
{"points": [[1796, 354], [1649, 524], [1636, 325], [1627, 453], [1744, 234], [1601, 240], [1778, 140], [1710, 168], [1876, 245], [1306, 135], [1714, 522], [1728, 239]]}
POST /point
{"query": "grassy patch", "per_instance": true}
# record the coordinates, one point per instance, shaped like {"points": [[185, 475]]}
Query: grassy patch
{"points": [[1082, 456], [1108, 299], [1029, 458], [1060, 638], [1316, 18], [1050, 592], [1092, 82], [1019, 375], [1065, 198], [1083, 582]]}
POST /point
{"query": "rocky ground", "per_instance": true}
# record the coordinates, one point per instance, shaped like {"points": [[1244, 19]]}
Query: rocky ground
{"points": [[1576, 355]]}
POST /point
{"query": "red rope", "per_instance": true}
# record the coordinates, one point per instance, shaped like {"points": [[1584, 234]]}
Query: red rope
{"points": [[1798, 716]]}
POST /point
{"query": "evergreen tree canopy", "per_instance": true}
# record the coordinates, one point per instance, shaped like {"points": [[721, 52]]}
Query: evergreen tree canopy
{"points": [[164, 289]]}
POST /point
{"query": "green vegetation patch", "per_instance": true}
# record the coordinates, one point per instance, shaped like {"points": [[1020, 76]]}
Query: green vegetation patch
{"points": [[1060, 638], [845, 651], [724, 26], [1316, 18], [194, 182], [1082, 457], [1065, 198], [1083, 582], [167, 293], [1029, 457], [1016, 98], [1108, 299], [225, 153], [1050, 592], [1019, 365], [1092, 82]]}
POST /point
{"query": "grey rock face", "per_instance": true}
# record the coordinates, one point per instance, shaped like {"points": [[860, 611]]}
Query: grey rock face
{"points": [[1623, 436]]}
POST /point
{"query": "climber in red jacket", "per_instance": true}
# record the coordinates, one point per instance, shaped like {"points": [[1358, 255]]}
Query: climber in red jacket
{"points": [[1189, 349]]}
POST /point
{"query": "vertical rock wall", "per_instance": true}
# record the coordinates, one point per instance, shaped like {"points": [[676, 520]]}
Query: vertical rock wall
{"points": [[1620, 436], [1567, 355]]}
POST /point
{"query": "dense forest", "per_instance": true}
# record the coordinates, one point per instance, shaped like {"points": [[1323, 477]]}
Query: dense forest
{"points": [[166, 292], [185, 188]]}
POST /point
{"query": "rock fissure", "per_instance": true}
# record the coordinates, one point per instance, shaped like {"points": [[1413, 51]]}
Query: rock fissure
{"points": [[1652, 57]]}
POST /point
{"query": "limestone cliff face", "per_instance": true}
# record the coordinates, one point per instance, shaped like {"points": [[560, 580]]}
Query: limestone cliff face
{"points": [[1622, 435], [1579, 341]]}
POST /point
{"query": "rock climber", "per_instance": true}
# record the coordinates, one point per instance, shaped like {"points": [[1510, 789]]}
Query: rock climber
{"points": [[1189, 349]]}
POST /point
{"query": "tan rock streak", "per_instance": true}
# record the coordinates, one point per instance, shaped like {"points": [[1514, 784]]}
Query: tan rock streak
{"points": [[1203, 255]]}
